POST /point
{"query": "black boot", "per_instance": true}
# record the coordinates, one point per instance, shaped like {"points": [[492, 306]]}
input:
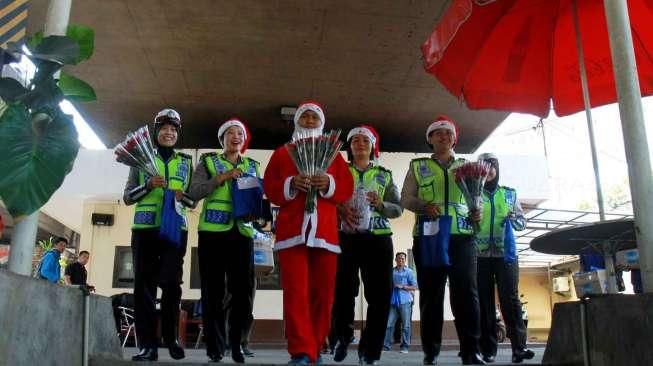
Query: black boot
{"points": [[176, 352], [430, 359], [341, 352], [488, 358], [146, 354], [214, 357], [522, 354], [472, 359], [247, 352], [237, 355]]}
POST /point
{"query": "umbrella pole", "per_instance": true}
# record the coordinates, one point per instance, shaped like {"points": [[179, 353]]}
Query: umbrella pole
{"points": [[634, 131], [612, 281], [588, 111]]}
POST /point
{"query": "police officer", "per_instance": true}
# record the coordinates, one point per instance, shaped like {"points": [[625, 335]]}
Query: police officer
{"points": [[430, 190], [225, 243], [367, 248], [500, 266], [158, 262]]}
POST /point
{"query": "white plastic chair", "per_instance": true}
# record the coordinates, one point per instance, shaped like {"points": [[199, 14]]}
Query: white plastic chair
{"points": [[127, 325]]}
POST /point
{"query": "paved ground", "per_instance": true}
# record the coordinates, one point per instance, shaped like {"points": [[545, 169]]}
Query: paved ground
{"points": [[280, 357]]}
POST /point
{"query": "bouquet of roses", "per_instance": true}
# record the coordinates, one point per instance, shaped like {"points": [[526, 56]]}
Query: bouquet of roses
{"points": [[312, 155], [470, 178], [138, 151]]}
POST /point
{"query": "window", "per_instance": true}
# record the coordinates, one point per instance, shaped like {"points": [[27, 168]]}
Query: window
{"points": [[123, 268]]}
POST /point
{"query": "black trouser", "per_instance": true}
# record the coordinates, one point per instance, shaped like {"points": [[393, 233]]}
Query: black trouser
{"points": [[463, 296], [506, 276], [372, 255], [249, 321], [221, 254], [156, 263]]}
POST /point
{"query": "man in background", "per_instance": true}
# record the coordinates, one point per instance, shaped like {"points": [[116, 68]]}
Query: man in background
{"points": [[401, 303], [49, 268], [76, 274]]}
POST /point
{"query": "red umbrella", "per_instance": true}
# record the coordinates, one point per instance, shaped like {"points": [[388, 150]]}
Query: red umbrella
{"points": [[518, 55]]}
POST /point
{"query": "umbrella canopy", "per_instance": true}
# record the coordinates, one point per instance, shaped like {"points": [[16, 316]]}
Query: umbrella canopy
{"points": [[518, 55]]}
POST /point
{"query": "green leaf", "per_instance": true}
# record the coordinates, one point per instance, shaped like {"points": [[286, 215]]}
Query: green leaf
{"points": [[37, 155], [75, 89], [34, 40], [84, 36], [11, 89], [59, 49]]}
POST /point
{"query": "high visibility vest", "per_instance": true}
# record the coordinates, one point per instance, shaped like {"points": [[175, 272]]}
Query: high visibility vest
{"points": [[217, 208], [496, 208], [177, 172], [374, 179], [437, 185]]}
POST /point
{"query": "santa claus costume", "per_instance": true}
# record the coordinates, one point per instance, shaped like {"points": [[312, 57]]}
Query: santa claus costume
{"points": [[307, 245]]}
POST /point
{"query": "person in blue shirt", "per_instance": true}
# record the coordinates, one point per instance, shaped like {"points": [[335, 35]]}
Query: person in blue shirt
{"points": [[401, 304], [50, 269]]}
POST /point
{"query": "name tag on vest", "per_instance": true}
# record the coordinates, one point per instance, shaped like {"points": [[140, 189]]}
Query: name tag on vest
{"points": [[424, 170], [145, 218], [217, 217], [219, 166]]}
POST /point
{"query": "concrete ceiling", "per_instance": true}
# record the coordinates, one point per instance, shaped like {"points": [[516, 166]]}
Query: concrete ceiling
{"points": [[213, 59]]}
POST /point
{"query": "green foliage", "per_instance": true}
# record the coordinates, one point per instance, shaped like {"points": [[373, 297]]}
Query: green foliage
{"points": [[38, 142]]}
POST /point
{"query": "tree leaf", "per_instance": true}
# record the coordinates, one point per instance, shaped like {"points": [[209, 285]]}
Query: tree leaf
{"points": [[38, 157], [11, 89], [84, 36], [59, 49], [75, 89]]}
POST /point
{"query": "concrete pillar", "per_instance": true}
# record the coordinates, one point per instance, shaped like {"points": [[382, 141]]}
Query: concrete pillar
{"points": [[634, 131], [24, 238], [23, 241]]}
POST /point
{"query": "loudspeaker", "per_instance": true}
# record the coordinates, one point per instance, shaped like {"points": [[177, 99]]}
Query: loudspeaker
{"points": [[102, 219]]}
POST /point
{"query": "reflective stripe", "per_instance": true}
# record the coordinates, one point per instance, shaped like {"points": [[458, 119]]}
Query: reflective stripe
{"points": [[376, 180], [147, 213], [437, 185], [216, 210]]}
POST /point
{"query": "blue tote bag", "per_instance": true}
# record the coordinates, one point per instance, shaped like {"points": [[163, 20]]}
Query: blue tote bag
{"points": [[247, 196], [434, 235], [171, 219], [509, 244]]}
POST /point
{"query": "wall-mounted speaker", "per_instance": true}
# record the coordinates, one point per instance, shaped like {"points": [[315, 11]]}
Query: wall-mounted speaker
{"points": [[102, 219]]}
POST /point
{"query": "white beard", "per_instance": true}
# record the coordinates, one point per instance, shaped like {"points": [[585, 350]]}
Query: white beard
{"points": [[301, 132]]}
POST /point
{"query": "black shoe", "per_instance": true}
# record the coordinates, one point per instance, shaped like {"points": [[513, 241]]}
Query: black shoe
{"points": [[214, 357], [523, 354], [237, 355], [146, 354], [430, 360], [473, 359], [247, 352], [341, 352], [176, 352], [488, 358]]}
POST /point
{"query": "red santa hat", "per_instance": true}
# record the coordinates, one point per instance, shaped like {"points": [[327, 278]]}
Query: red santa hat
{"points": [[309, 106], [443, 123], [234, 121], [371, 133]]}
